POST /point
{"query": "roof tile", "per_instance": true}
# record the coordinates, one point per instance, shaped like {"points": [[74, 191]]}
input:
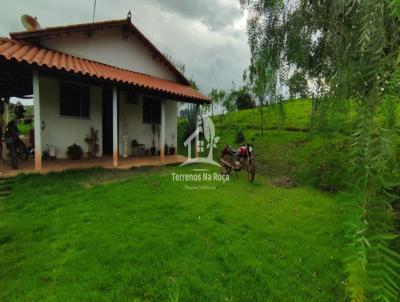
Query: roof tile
{"points": [[25, 52]]}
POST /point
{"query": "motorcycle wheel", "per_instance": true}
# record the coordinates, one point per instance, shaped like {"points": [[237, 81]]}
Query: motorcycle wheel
{"points": [[251, 170]]}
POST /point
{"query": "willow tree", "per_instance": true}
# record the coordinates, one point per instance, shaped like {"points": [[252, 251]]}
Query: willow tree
{"points": [[259, 81], [350, 50]]}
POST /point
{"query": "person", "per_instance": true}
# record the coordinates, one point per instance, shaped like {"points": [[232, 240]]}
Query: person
{"points": [[19, 111]]}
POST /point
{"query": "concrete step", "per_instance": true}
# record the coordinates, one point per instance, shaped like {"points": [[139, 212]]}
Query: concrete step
{"points": [[6, 187], [6, 180], [5, 195]]}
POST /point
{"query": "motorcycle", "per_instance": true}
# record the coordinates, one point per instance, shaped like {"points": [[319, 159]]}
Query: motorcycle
{"points": [[237, 160], [15, 146]]}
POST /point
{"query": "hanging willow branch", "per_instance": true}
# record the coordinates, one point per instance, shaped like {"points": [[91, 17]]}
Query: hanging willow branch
{"points": [[350, 50]]}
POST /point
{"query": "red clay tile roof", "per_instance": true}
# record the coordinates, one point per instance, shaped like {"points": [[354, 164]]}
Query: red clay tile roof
{"points": [[47, 58], [126, 24]]}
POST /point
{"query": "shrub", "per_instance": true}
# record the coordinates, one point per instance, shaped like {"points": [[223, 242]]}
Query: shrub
{"points": [[74, 151], [239, 136], [244, 101]]}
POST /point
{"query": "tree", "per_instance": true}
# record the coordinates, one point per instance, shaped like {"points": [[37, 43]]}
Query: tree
{"points": [[221, 98], [228, 103], [244, 101], [350, 49], [215, 99], [260, 81], [194, 84], [218, 98], [298, 85], [242, 98]]}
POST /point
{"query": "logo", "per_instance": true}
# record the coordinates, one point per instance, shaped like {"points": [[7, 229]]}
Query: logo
{"points": [[209, 142]]}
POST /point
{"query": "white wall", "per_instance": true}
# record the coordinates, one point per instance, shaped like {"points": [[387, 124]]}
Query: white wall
{"points": [[108, 47], [62, 132], [131, 122]]}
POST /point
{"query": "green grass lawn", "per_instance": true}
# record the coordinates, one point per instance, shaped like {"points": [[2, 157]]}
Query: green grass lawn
{"points": [[111, 235], [297, 115]]}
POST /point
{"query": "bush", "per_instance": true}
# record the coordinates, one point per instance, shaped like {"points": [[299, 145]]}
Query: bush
{"points": [[74, 151], [239, 136], [244, 101]]}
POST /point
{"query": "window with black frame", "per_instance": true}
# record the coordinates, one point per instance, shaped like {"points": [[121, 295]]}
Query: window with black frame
{"points": [[74, 100], [151, 110]]}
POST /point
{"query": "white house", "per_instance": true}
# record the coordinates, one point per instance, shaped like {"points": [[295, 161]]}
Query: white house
{"points": [[103, 75]]}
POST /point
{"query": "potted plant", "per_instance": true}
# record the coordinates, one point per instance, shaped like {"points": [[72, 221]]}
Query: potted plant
{"points": [[74, 152]]}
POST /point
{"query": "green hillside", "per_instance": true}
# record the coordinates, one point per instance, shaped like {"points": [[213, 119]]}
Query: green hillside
{"points": [[287, 149], [296, 115]]}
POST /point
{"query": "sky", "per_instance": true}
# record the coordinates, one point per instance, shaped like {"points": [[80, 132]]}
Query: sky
{"points": [[208, 36]]}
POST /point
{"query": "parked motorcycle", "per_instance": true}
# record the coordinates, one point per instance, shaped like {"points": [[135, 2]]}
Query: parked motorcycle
{"points": [[15, 146], [237, 160]]}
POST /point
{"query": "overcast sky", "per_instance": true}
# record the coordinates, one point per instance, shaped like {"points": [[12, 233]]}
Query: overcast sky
{"points": [[208, 36]]}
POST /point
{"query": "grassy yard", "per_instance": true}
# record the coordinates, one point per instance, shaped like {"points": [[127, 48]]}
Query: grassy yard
{"points": [[138, 236]]}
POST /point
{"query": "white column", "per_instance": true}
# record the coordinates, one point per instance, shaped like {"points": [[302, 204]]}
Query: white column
{"points": [[196, 150], [37, 122], [162, 132], [115, 126]]}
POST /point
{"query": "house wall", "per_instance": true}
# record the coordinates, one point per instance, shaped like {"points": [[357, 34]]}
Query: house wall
{"points": [[109, 47], [131, 124], [62, 132]]}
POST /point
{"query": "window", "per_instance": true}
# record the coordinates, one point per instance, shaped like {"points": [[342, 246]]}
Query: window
{"points": [[74, 100], [151, 110]]}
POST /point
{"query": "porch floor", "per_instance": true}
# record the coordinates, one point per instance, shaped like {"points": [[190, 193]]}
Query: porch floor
{"points": [[58, 165]]}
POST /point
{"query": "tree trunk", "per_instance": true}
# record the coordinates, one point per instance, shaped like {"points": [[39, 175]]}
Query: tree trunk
{"points": [[220, 124], [262, 121], [254, 119]]}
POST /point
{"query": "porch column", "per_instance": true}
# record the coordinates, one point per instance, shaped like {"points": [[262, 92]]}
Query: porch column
{"points": [[115, 126], [162, 133], [37, 122], [196, 147]]}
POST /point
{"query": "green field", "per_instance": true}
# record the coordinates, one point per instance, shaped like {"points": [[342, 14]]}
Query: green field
{"points": [[110, 235], [138, 236]]}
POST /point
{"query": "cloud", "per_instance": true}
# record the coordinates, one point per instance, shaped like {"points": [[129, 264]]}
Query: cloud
{"points": [[208, 36], [212, 13]]}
